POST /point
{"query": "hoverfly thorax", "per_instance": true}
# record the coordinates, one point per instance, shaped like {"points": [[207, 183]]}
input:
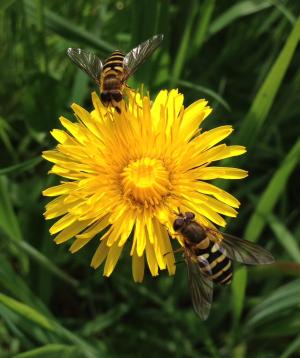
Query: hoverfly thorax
{"points": [[191, 231]]}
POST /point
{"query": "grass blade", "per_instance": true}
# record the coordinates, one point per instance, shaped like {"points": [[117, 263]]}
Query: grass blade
{"points": [[184, 45], [291, 348], [272, 194], [67, 29], [206, 91], [285, 237], [202, 24], [49, 351], [17, 287], [21, 167], [259, 218], [10, 225], [285, 11], [284, 298], [27, 312], [51, 325], [238, 10], [249, 130], [46, 263], [8, 220]]}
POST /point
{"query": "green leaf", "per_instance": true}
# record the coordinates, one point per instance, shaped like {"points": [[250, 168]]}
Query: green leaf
{"points": [[206, 91], [101, 322], [258, 219], [272, 194], [285, 11], [238, 10], [5, 131], [238, 293], [21, 167], [260, 108], [202, 24], [8, 220], [67, 29], [10, 225], [284, 237], [47, 323], [45, 262], [184, 44], [49, 351], [5, 4], [27, 312], [291, 348], [285, 298], [14, 283]]}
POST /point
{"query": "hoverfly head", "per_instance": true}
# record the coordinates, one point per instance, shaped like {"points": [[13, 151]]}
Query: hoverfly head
{"points": [[178, 223]]}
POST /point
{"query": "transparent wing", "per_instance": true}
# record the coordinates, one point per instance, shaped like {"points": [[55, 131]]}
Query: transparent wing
{"points": [[201, 288], [87, 62], [139, 54], [243, 251]]}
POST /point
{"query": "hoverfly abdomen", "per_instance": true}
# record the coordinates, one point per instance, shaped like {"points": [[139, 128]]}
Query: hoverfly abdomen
{"points": [[217, 265], [113, 70], [221, 267]]}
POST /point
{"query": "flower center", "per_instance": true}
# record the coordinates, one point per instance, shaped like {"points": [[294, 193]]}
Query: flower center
{"points": [[146, 181]]}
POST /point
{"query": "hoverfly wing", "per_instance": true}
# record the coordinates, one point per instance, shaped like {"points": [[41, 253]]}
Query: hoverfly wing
{"points": [[201, 289], [243, 251], [139, 54], [87, 62]]}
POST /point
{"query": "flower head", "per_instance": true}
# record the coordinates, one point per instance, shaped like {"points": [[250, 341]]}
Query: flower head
{"points": [[125, 175]]}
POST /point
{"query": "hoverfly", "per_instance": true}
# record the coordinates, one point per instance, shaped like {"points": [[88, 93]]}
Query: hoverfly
{"points": [[111, 76], [208, 255]]}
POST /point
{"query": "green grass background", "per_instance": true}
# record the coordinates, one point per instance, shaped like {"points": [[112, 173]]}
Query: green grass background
{"points": [[240, 55]]}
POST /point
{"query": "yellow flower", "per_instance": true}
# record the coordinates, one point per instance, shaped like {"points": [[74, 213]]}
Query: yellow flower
{"points": [[125, 175]]}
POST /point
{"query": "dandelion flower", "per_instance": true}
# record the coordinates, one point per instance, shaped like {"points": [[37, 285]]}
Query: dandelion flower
{"points": [[125, 174]]}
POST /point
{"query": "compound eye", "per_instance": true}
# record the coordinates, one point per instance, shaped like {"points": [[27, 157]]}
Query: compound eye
{"points": [[189, 215], [178, 223]]}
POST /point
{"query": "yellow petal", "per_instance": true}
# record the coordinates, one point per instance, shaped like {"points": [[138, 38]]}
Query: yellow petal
{"points": [[151, 259], [59, 189], [207, 188], [167, 248], [140, 236], [193, 117], [60, 135], [62, 223], [71, 231], [112, 259], [94, 229], [209, 173], [138, 267], [210, 138], [101, 252], [86, 118], [205, 211]]}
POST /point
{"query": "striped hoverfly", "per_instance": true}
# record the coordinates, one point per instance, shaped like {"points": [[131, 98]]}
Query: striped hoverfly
{"points": [[111, 76], [208, 254]]}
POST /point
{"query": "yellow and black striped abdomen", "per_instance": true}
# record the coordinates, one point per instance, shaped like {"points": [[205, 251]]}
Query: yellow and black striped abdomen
{"points": [[219, 265], [113, 65]]}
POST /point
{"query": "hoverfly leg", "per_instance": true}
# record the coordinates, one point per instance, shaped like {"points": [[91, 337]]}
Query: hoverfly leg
{"points": [[181, 249]]}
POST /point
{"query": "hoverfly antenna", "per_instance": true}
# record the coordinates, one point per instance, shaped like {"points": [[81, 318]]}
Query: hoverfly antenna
{"points": [[179, 211]]}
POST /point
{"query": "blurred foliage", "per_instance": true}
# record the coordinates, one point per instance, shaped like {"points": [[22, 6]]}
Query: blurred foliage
{"points": [[240, 55]]}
